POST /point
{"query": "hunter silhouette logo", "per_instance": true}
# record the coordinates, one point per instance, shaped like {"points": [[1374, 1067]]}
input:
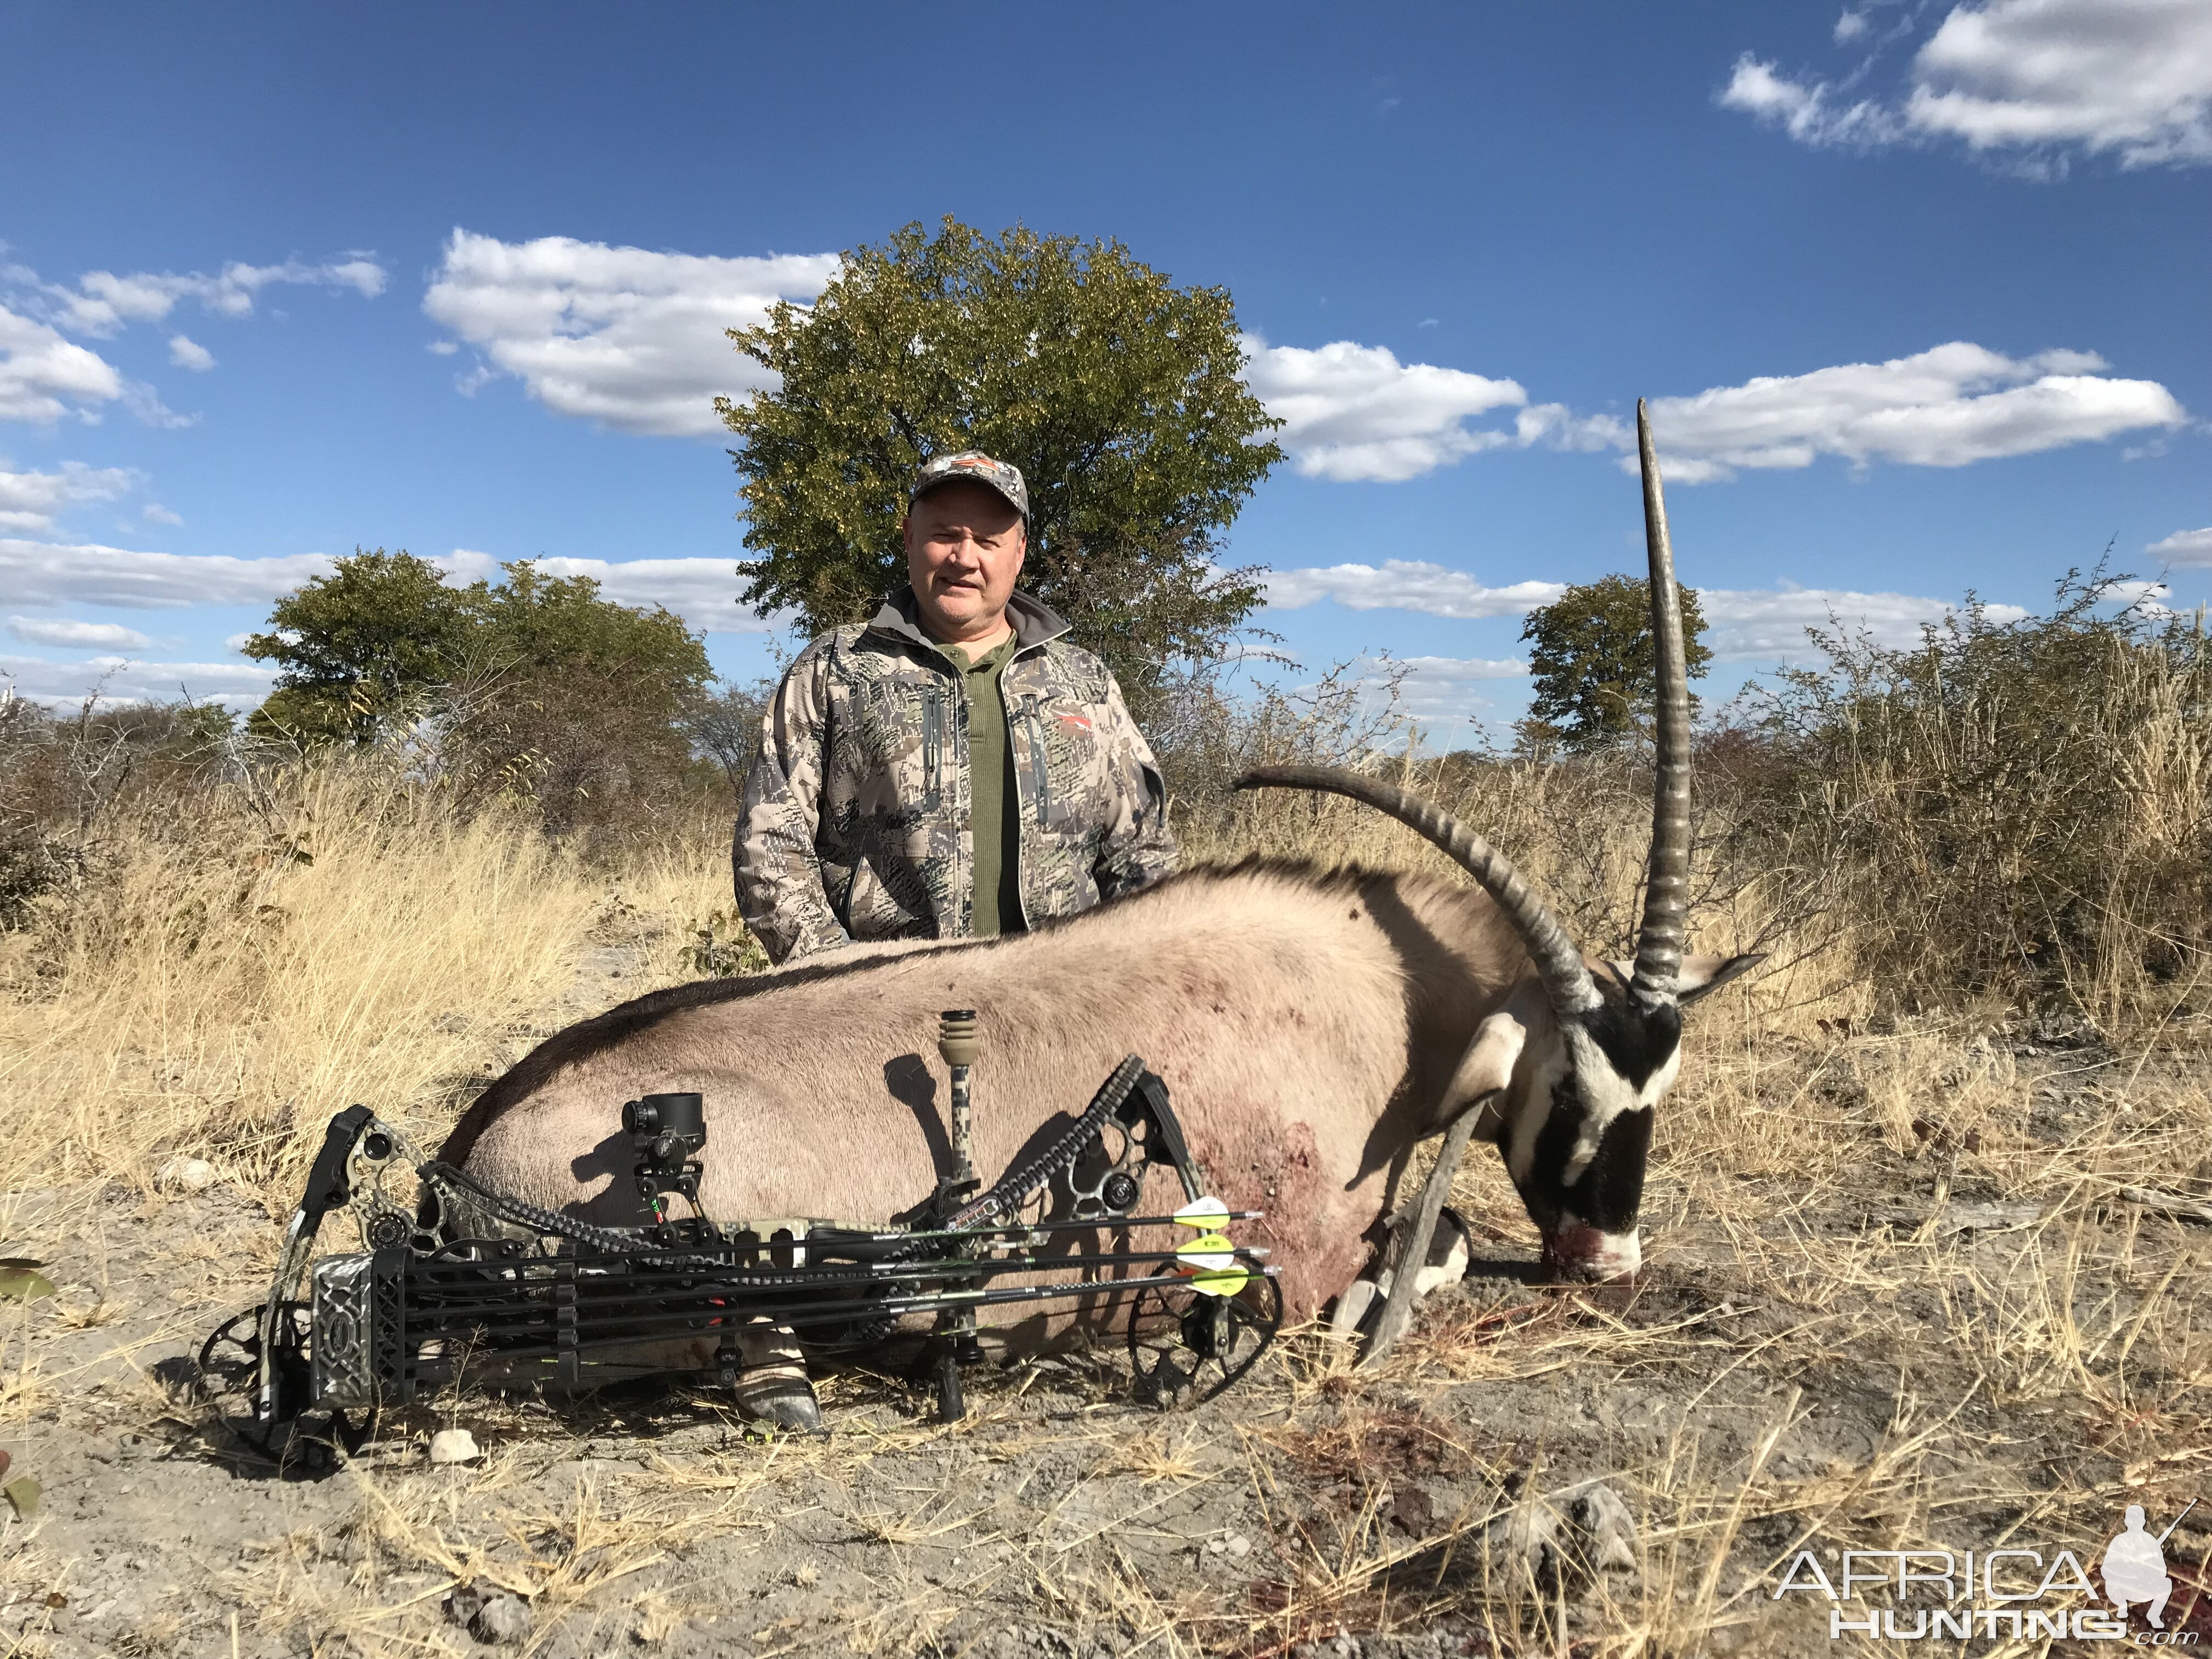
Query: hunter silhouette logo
{"points": [[2134, 1567]]}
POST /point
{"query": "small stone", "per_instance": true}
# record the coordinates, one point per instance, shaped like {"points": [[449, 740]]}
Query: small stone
{"points": [[1216, 1546], [464, 1604], [1412, 1512], [454, 1446], [22, 1281], [1239, 1545], [502, 1621], [187, 1175]]}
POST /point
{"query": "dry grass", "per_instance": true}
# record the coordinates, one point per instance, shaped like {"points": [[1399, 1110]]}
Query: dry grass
{"points": [[1895, 1298], [329, 938]]}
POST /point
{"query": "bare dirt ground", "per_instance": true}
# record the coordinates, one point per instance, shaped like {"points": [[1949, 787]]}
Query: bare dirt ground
{"points": [[1894, 1298]]}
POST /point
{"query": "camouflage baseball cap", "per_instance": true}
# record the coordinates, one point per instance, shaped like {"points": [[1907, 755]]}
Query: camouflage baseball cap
{"points": [[976, 467]]}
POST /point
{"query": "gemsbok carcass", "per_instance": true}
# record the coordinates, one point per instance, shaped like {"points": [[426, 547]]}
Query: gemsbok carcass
{"points": [[1315, 1026]]}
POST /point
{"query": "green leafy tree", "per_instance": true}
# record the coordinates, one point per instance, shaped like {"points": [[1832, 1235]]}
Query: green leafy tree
{"points": [[353, 646], [534, 685], [1590, 651], [1117, 393], [383, 632], [573, 700], [531, 623]]}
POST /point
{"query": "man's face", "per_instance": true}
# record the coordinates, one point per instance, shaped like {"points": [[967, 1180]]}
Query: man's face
{"points": [[965, 545]]}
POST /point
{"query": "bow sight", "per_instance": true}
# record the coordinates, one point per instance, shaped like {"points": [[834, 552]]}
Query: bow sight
{"points": [[666, 1133], [466, 1282]]}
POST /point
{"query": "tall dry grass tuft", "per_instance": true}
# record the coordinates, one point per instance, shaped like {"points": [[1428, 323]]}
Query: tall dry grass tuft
{"points": [[251, 956]]}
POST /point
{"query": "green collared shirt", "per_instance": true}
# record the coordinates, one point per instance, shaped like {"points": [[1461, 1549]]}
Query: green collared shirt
{"points": [[995, 808]]}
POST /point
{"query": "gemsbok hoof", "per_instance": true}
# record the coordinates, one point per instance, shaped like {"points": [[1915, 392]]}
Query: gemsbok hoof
{"points": [[774, 1395]]}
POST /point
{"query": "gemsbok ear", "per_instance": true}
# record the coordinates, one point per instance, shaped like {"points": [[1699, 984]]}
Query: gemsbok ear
{"points": [[1702, 976], [1487, 1069]]}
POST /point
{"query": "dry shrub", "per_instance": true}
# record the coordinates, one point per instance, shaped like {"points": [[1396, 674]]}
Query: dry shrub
{"points": [[2019, 812]]}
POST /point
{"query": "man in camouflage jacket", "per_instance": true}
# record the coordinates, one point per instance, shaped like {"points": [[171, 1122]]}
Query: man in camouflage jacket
{"points": [[859, 816]]}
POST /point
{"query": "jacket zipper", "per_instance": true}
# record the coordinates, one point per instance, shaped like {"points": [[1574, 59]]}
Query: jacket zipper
{"points": [[932, 749], [1042, 790], [1039, 762]]}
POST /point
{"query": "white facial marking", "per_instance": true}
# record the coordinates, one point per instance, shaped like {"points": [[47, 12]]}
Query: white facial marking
{"points": [[1607, 1094], [1550, 1066], [1592, 1252]]}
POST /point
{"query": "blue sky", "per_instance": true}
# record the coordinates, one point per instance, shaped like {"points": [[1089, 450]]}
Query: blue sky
{"points": [[1920, 292]]}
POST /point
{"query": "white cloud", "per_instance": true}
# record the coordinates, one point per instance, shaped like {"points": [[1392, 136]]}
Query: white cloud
{"points": [[102, 303], [155, 512], [1770, 626], [1405, 585], [620, 335], [2143, 595], [2186, 547], [78, 635], [1947, 406], [1354, 411], [30, 500], [50, 573], [43, 377], [1806, 112], [703, 592], [2038, 78], [1464, 668], [1742, 624], [1435, 690], [119, 679]]}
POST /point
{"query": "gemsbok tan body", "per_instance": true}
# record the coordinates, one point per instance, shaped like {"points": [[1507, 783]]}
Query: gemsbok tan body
{"points": [[1313, 1027]]}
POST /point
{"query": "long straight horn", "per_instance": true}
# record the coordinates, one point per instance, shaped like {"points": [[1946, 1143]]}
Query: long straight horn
{"points": [[1552, 953], [1667, 895]]}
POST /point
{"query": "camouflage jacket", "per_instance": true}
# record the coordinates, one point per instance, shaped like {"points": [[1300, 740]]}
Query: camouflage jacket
{"points": [[855, 823]]}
